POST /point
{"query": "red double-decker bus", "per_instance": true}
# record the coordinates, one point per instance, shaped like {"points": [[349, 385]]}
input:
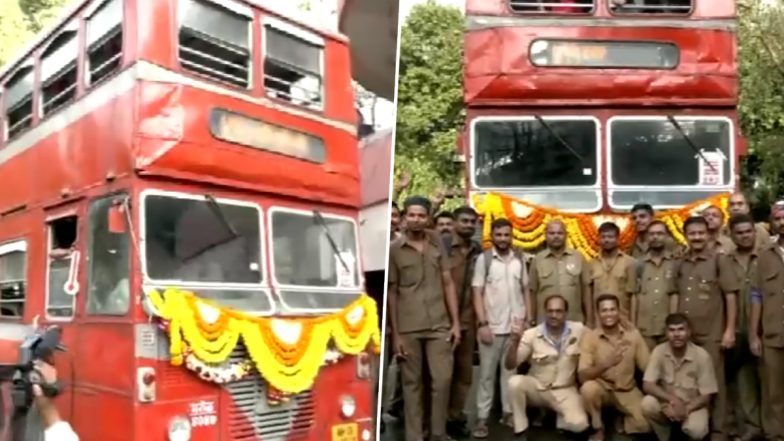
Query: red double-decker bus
{"points": [[591, 106], [205, 145]]}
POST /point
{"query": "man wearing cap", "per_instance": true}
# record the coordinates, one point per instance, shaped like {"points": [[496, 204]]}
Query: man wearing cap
{"points": [[766, 338], [423, 314]]}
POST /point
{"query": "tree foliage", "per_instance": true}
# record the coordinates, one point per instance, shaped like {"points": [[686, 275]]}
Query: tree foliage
{"points": [[429, 97], [20, 20]]}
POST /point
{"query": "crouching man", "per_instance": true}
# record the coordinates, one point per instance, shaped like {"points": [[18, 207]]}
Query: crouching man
{"points": [[552, 349], [680, 382], [610, 355]]}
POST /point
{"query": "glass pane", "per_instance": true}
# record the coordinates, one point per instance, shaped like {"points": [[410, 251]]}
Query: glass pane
{"points": [[552, 6], [19, 87], [63, 51], [318, 300], [216, 22], [623, 200], [12, 267], [195, 241], [108, 263], [303, 254], [104, 20], [650, 6], [60, 303], [517, 153], [293, 51], [654, 152]]}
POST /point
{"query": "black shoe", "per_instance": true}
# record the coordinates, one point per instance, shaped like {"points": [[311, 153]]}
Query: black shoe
{"points": [[522, 436], [457, 429]]}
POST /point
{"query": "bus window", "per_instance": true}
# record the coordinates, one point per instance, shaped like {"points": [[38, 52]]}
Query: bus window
{"points": [[19, 101], [104, 41], [62, 240], [293, 65], [58, 71], [215, 42], [651, 6], [13, 279], [552, 6], [108, 261]]}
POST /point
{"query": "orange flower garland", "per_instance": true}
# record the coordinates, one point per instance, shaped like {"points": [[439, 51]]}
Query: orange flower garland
{"points": [[529, 222]]}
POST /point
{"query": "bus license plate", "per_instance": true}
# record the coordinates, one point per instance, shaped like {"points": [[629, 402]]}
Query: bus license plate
{"points": [[345, 432]]}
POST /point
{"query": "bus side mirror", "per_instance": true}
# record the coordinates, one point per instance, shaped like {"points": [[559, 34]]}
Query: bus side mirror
{"points": [[116, 220]]}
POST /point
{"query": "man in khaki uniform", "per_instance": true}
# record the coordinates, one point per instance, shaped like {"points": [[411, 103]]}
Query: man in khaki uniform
{"points": [[767, 328], [738, 204], [560, 270], [742, 367], [654, 299], [717, 241], [424, 318], [707, 294], [609, 358], [552, 349], [642, 215], [462, 251], [679, 383], [612, 272]]}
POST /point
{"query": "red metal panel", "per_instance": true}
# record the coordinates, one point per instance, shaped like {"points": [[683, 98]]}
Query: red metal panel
{"points": [[498, 70]]}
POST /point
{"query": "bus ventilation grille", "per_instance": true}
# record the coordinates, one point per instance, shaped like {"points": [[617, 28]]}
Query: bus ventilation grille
{"points": [[252, 418]]}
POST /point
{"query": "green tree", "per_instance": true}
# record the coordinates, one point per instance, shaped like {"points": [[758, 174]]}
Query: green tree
{"points": [[429, 97], [40, 13], [14, 32]]}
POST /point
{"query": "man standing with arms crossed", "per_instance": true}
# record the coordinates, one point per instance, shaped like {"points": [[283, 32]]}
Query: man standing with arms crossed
{"points": [[500, 287], [424, 318]]}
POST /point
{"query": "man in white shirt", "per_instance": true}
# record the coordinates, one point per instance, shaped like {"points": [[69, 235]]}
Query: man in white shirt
{"points": [[55, 429]]}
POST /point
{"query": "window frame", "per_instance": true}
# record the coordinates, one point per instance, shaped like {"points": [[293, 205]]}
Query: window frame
{"points": [[231, 6], [88, 258], [596, 187], [90, 13], [49, 239], [28, 65], [612, 187], [46, 78], [605, 66], [613, 12], [14, 246], [288, 287], [550, 13], [297, 33]]}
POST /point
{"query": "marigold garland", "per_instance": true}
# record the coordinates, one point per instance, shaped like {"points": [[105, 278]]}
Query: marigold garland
{"points": [[288, 352], [529, 222]]}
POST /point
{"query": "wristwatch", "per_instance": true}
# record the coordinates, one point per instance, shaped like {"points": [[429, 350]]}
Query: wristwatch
{"points": [[483, 324]]}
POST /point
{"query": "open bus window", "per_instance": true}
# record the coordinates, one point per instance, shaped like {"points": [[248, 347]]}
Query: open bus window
{"points": [[652, 152], [13, 279], [552, 6], [104, 41], [62, 240], [517, 152], [195, 241], [58, 71], [303, 255], [215, 42], [293, 65], [108, 262], [681, 7], [19, 101]]}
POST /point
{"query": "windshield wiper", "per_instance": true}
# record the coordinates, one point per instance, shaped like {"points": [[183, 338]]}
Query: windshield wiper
{"points": [[319, 219], [218, 212], [560, 140], [691, 143]]}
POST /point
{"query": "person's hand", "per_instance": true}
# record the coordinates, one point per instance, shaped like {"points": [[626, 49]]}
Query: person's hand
{"points": [[404, 181], [399, 346], [518, 325], [439, 196], [677, 409], [755, 344], [615, 358], [485, 335], [728, 339], [454, 336], [47, 375]]}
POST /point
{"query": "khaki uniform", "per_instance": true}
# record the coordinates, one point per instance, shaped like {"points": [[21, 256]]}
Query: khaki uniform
{"points": [[703, 282], [566, 275], [656, 284], [640, 249], [462, 259], [613, 275], [616, 386], [742, 366], [423, 323], [688, 378], [770, 280], [722, 245], [762, 235], [551, 381]]}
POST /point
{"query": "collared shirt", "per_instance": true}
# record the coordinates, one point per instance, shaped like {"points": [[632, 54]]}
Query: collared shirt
{"points": [[416, 277], [722, 245], [554, 366], [688, 377], [60, 431], [640, 248], [770, 284], [462, 262], [503, 285], [703, 281], [597, 346], [614, 275], [566, 274], [656, 284], [745, 270], [762, 235]]}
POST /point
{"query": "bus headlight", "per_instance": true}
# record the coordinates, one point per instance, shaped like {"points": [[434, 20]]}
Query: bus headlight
{"points": [[347, 406], [179, 429]]}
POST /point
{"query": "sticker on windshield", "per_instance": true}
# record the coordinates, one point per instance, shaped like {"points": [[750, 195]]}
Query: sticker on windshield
{"points": [[711, 166], [345, 273]]}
